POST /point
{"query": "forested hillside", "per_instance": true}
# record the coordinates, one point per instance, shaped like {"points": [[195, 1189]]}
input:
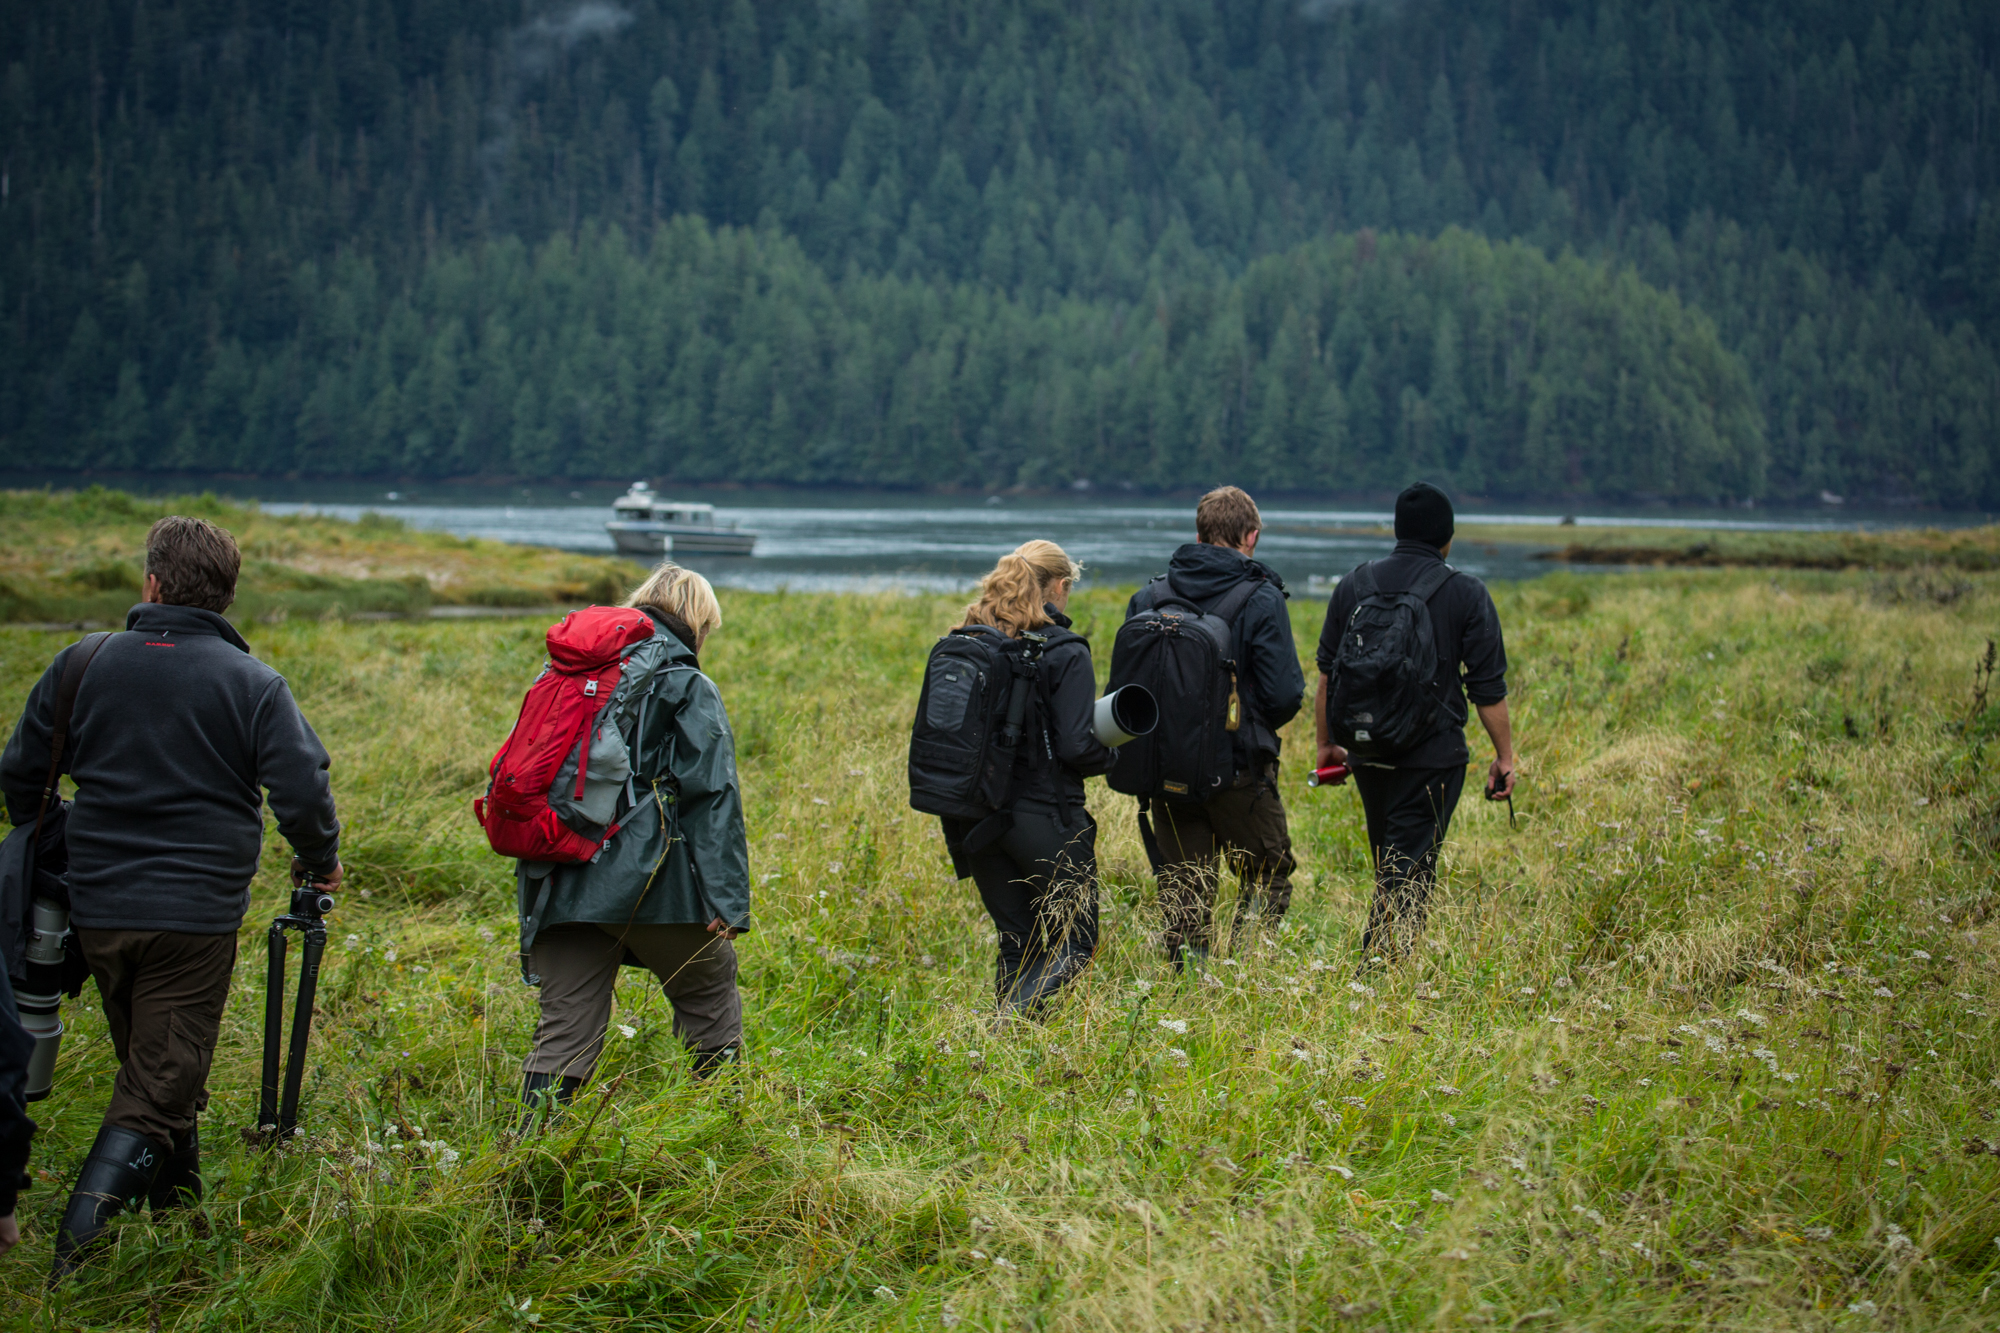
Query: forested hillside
{"points": [[1010, 242]]}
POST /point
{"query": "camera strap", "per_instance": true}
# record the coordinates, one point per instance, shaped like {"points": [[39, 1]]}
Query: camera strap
{"points": [[65, 704]]}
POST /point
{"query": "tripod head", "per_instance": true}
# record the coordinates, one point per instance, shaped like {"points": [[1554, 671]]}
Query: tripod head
{"points": [[311, 900]]}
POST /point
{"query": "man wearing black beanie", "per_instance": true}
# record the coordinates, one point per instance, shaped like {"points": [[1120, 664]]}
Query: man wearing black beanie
{"points": [[1406, 742]]}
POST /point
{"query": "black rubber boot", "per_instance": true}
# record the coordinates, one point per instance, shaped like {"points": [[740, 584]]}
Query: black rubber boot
{"points": [[120, 1170], [1039, 983], [546, 1092], [179, 1183], [706, 1063]]}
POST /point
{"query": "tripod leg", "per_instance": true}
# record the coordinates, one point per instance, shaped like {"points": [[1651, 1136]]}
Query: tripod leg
{"points": [[274, 1018], [295, 1061]]}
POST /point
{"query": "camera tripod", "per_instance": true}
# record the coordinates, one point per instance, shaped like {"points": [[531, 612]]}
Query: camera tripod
{"points": [[311, 902]]}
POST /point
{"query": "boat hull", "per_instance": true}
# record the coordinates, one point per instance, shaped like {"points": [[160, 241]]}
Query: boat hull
{"points": [[637, 537]]}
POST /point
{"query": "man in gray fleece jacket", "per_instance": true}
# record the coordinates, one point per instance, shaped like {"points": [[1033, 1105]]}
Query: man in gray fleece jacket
{"points": [[176, 734]]}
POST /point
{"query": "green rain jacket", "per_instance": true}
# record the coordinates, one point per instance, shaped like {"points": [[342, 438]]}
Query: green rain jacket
{"points": [[680, 855]]}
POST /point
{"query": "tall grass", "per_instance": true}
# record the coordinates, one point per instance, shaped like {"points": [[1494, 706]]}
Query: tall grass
{"points": [[1704, 1041]]}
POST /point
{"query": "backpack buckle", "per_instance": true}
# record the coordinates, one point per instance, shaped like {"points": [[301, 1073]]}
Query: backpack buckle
{"points": [[590, 686]]}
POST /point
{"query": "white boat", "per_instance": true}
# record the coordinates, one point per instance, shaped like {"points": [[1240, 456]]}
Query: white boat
{"points": [[644, 524]]}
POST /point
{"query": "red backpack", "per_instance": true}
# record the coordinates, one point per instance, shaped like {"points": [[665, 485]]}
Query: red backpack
{"points": [[586, 653]]}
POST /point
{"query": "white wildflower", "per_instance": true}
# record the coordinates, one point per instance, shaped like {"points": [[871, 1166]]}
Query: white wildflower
{"points": [[1920, 955], [627, 1031], [1360, 989], [1439, 1196], [1450, 1120], [1298, 1054], [1142, 985], [1345, 1174], [1527, 990], [1754, 1020], [388, 955], [1177, 1026], [1445, 1090], [485, 933], [835, 867], [1884, 993], [1177, 1055], [884, 1294]]}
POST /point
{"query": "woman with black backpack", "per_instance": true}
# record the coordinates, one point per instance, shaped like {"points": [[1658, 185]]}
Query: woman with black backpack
{"points": [[1025, 839]]}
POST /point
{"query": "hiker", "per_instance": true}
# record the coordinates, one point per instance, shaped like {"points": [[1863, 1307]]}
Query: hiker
{"points": [[671, 887], [17, 1131], [1000, 749], [1207, 779], [175, 734], [1407, 746]]}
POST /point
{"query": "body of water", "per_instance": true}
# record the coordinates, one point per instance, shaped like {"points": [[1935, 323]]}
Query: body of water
{"points": [[844, 541]]}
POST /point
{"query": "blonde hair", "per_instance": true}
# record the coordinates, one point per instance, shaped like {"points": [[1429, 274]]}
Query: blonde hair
{"points": [[683, 593], [1011, 597]]}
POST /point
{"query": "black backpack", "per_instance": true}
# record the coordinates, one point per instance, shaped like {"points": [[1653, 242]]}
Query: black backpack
{"points": [[1379, 702], [971, 718], [1182, 652]]}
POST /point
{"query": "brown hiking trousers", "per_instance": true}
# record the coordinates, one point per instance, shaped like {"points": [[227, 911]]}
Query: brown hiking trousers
{"points": [[163, 993], [579, 963], [1247, 825]]}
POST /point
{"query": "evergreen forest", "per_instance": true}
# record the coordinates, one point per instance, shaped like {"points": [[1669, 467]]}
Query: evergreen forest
{"points": [[1685, 249]]}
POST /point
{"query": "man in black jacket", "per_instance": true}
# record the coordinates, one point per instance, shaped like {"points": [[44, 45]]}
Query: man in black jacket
{"points": [[1247, 821], [176, 734], [1409, 799]]}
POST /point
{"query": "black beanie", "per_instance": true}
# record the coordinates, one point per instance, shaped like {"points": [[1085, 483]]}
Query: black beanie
{"points": [[1423, 513]]}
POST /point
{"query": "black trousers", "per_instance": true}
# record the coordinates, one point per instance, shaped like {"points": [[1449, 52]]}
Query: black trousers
{"points": [[1409, 811], [1038, 881]]}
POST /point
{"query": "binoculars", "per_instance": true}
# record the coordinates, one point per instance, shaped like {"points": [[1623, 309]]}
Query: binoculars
{"points": [[278, 1119]]}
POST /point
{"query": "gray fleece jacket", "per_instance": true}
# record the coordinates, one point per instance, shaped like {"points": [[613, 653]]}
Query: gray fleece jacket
{"points": [[178, 733]]}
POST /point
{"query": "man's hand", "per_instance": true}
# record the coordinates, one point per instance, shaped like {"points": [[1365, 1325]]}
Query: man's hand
{"points": [[10, 1233], [1330, 754], [1500, 774], [329, 881], [719, 927]]}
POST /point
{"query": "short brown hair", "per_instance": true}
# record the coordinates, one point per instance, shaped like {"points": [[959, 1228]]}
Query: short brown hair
{"points": [[1225, 516], [195, 562]]}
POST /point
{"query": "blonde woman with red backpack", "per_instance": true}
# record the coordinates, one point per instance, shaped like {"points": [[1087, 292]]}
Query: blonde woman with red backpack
{"points": [[647, 863]]}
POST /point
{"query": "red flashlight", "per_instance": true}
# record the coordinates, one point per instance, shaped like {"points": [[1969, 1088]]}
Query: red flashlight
{"points": [[1330, 776]]}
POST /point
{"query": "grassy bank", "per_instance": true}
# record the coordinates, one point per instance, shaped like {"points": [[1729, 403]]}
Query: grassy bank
{"points": [[78, 556], [1939, 553], [1704, 1042]]}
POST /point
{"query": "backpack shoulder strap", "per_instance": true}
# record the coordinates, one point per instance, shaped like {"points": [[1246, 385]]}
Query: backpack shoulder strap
{"points": [[65, 704], [1058, 636], [1230, 605], [1431, 580], [1156, 587]]}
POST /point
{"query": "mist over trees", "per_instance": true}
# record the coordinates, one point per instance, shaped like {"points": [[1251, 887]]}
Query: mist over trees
{"points": [[1637, 247]]}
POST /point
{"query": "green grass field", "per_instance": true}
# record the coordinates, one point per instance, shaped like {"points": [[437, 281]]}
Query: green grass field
{"points": [[1704, 1042]]}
